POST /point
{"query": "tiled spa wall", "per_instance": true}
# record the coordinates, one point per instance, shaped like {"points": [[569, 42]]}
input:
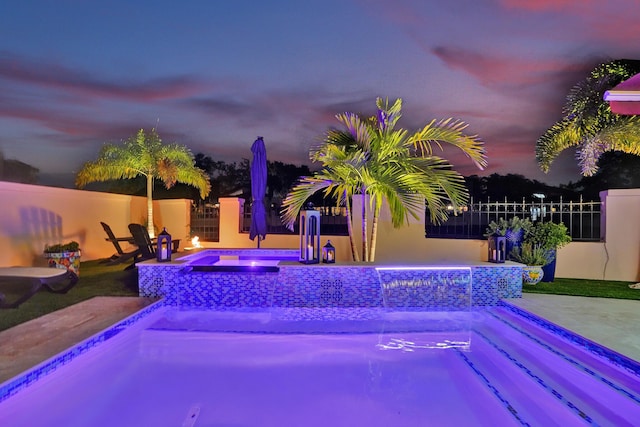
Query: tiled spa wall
{"points": [[332, 286]]}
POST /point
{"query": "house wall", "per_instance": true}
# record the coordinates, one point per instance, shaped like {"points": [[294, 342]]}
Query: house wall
{"points": [[32, 216]]}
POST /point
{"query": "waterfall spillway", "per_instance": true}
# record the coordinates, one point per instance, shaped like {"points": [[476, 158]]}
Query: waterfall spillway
{"points": [[426, 288]]}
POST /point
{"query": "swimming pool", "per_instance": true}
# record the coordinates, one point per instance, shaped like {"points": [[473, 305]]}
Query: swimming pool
{"points": [[330, 366]]}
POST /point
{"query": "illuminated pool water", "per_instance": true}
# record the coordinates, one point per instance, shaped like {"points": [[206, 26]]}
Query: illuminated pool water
{"points": [[331, 366]]}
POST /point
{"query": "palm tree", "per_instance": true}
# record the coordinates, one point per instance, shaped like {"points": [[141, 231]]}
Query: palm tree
{"points": [[588, 122], [145, 154], [373, 158]]}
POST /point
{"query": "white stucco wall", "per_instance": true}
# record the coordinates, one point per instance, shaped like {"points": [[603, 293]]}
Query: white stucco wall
{"points": [[33, 216]]}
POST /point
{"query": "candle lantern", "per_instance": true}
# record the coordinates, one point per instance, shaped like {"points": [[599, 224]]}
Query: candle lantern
{"points": [[163, 251], [309, 235], [497, 248], [328, 253]]}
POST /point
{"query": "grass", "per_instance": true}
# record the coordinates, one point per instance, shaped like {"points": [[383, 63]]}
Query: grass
{"points": [[585, 288], [102, 280], [95, 280]]}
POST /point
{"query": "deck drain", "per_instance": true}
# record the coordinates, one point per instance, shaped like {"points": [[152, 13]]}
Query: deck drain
{"points": [[192, 416]]}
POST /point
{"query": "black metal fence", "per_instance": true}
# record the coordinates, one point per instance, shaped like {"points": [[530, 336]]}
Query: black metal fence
{"points": [[205, 221], [333, 221], [581, 218]]}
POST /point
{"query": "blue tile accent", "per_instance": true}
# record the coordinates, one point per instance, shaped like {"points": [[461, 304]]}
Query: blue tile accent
{"points": [[611, 356], [568, 359], [493, 389], [11, 387], [528, 371]]}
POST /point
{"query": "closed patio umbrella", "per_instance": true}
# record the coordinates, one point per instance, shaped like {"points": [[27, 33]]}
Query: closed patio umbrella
{"points": [[258, 190]]}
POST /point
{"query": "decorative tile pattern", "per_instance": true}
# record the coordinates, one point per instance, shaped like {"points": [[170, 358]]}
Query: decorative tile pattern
{"points": [[322, 286], [491, 284], [225, 290], [319, 285]]}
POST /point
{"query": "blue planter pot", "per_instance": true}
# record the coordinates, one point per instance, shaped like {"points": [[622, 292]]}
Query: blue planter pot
{"points": [[550, 269]]}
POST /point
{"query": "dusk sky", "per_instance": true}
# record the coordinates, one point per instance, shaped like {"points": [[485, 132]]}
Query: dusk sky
{"points": [[213, 75]]}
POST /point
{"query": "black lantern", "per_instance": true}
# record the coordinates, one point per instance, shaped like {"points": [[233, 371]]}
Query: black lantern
{"points": [[497, 248], [328, 253], [309, 235], [163, 251]]}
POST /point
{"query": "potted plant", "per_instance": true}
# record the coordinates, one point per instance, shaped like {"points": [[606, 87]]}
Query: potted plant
{"points": [[64, 255], [551, 237], [534, 256], [514, 229]]}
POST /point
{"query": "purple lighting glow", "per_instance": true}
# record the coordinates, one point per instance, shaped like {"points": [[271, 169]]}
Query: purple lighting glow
{"points": [[489, 367]]}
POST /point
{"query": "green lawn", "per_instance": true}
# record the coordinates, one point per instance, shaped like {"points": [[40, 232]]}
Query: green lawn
{"points": [[585, 288], [100, 280]]}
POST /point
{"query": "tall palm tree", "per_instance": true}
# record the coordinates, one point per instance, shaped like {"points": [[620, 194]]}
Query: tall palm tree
{"points": [[145, 154], [588, 122], [373, 158]]}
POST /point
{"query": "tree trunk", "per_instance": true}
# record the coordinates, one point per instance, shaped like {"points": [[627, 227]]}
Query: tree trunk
{"points": [[365, 246], [354, 252], [150, 228], [374, 232]]}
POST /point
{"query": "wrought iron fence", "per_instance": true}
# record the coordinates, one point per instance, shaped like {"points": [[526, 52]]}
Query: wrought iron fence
{"points": [[581, 218], [205, 221], [333, 221]]}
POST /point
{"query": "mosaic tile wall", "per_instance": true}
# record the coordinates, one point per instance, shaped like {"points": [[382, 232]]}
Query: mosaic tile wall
{"points": [[331, 286]]}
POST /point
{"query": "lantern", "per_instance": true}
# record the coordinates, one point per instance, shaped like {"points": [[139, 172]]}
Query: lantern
{"points": [[163, 251], [328, 253], [309, 235], [497, 248]]}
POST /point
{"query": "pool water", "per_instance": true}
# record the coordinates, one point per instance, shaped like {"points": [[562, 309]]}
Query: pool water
{"points": [[341, 367]]}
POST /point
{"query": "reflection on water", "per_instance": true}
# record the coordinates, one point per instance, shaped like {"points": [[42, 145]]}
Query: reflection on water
{"points": [[405, 345]]}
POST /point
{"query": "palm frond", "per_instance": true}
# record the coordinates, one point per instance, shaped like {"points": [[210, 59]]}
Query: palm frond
{"points": [[298, 195], [449, 131], [587, 116], [556, 139]]}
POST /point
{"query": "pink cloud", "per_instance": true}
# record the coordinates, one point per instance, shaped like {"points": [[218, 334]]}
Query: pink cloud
{"points": [[610, 21], [50, 75], [498, 70], [546, 5]]}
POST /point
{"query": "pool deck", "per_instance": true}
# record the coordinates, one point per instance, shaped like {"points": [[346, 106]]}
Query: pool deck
{"points": [[613, 323], [610, 322], [35, 341]]}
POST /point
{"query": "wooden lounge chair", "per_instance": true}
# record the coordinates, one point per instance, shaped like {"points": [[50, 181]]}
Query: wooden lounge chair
{"points": [[29, 280], [147, 245], [120, 255], [143, 241]]}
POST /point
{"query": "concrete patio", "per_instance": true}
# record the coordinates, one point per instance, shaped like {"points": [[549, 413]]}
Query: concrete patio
{"points": [[610, 322]]}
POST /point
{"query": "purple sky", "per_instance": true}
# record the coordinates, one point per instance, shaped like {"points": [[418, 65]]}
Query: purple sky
{"points": [[213, 74]]}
